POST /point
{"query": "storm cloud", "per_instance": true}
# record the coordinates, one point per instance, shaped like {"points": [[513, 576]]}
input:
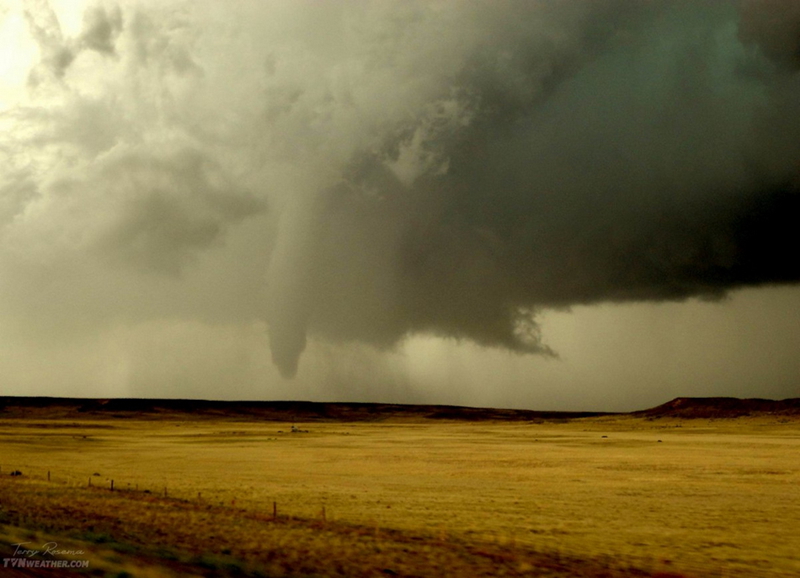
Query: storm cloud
{"points": [[361, 172]]}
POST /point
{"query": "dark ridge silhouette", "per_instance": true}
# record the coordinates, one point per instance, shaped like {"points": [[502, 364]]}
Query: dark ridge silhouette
{"points": [[76, 408], [722, 408], [308, 411]]}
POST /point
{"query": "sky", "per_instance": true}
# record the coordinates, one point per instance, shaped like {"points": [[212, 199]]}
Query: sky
{"points": [[543, 204]]}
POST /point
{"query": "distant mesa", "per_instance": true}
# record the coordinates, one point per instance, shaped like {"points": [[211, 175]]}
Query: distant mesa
{"points": [[722, 408]]}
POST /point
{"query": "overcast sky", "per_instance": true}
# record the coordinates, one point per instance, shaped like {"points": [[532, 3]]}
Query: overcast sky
{"points": [[548, 204]]}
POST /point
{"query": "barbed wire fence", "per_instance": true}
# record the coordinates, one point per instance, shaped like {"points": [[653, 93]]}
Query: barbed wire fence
{"points": [[274, 511]]}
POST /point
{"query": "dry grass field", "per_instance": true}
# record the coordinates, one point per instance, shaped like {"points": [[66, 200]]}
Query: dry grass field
{"points": [[622, 495]]}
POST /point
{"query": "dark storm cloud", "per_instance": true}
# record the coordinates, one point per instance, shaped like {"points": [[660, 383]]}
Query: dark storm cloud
{"points": [[430, 167], [626, 154], [774, 25]]}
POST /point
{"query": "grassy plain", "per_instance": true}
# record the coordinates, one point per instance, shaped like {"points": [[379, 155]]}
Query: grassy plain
{"points": [[602, 496]]}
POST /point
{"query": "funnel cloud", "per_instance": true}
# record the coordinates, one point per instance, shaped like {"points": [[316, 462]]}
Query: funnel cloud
{"points": [[570, 155], [364, 172]]}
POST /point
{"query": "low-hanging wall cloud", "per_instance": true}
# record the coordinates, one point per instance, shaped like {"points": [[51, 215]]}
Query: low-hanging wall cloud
{"points": [[396, 168]]}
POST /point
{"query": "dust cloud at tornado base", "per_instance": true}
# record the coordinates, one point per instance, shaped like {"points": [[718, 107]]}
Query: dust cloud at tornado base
{"points": [[217, 184]]}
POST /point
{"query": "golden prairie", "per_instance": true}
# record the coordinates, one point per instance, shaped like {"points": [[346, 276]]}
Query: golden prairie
{"points": [[690, 497]]}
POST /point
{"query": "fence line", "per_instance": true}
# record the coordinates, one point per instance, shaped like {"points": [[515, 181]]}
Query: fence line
{"points": [[655, 566], [163, 490]]}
